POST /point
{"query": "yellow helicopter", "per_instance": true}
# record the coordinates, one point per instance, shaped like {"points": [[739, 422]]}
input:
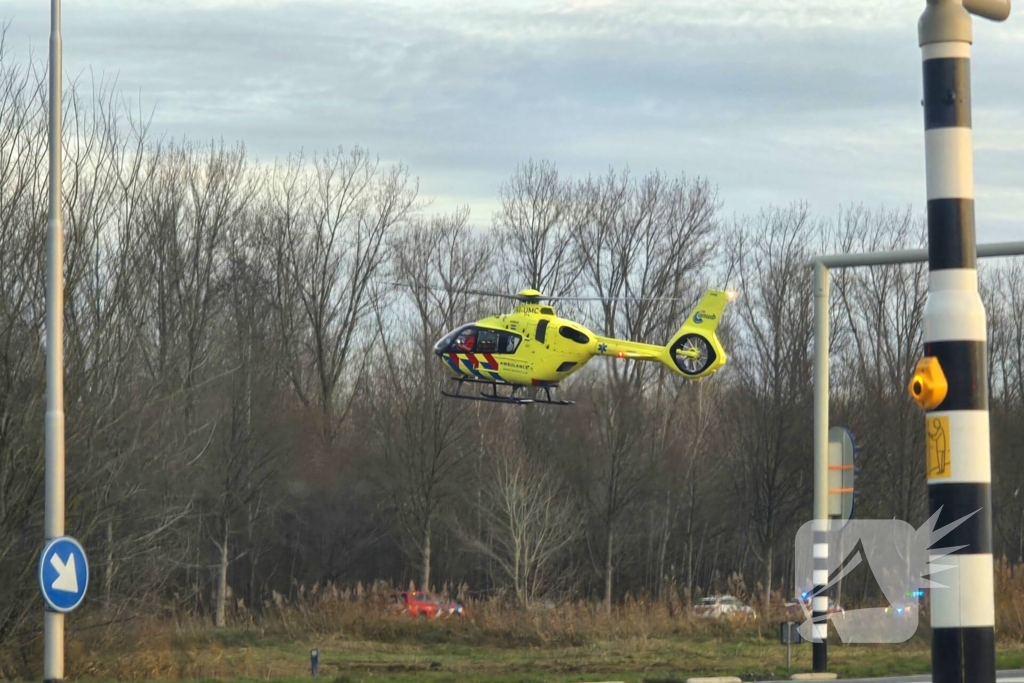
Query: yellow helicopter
{"points": [[532, 348]]}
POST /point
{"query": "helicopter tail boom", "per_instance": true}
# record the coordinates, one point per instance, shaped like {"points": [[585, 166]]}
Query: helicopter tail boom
{"points": [[693, 352]]}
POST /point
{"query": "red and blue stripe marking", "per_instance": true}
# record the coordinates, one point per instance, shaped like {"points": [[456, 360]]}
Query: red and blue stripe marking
{"points": [[474, 367]]}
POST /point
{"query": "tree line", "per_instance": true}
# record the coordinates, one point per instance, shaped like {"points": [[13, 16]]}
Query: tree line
{"points": [[252, 400]]}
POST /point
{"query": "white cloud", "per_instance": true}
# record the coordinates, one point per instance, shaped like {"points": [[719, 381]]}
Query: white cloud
{"points": [[774, 100]]}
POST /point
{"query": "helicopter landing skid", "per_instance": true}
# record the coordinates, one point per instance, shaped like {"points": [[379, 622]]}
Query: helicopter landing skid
{"points": [[494, 397]]}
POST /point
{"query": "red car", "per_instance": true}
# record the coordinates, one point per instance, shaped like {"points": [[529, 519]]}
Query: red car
{"points": [[426, 605]]}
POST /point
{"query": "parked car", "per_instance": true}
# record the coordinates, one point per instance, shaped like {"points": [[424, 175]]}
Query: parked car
{"points": [[426, 605], [724, 606]]}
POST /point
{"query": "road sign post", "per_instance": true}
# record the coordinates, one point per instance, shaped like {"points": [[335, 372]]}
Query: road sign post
{"points": [[53, 620], [789, 634]]}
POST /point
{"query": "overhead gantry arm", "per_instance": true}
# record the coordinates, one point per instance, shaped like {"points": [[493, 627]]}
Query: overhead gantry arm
{"points": [[995, 10]]}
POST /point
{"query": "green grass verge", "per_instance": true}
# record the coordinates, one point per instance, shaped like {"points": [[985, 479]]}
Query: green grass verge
{"points": [[633, 660]]}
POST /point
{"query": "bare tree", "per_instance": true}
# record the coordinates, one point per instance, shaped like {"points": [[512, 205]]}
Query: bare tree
{"points": [[880, 315], [1002, 287], [333, 229], [531, 520], [22, 219], [771, 407], [424, 437], [249, 400], [689, 475], [646, 241], [108, 171], [649, 241], [534, 226], [437, 262]]}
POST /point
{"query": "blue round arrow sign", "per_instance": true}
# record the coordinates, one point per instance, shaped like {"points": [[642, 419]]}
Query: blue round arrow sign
{"points": [[63, 574]]}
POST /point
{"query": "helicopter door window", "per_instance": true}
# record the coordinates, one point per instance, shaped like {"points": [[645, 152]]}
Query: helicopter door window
{"points": [[508, 343], [542, 328], [487, 341]]}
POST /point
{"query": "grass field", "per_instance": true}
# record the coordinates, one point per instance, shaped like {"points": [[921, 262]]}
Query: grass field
{"points": [[359, 640], [650, 660], [436, 653]]}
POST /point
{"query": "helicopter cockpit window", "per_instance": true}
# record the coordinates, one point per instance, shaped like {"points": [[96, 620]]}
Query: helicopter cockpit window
{"points": [[447, 343], [487, 341], [471, 339], [573, 334], [466, 341]]}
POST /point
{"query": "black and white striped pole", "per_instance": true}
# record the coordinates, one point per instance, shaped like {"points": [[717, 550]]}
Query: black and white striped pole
{"points": [[950, 383], [820, 526]]}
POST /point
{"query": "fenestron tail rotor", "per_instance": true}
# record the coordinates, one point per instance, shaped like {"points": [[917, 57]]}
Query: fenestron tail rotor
{"points": [[694, 354]]}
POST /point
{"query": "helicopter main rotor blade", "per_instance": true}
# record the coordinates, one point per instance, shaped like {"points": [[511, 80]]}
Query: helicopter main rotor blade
{"points": [[520, 297], [614, 298], [475, 292]]}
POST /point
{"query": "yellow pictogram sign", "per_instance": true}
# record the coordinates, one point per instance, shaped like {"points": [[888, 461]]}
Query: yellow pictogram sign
{"points": [[940, 463]]}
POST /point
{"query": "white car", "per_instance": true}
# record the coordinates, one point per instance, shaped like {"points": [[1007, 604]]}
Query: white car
{"points": [[718, 606]]}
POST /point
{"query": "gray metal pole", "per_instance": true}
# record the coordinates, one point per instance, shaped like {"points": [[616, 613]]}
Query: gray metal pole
{"points": [[53, 622], [819, 605]]}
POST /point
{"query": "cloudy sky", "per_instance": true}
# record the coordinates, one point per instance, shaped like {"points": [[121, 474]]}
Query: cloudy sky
{"points": [[773, 100]]}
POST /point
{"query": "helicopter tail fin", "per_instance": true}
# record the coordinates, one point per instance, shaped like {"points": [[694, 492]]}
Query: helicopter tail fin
{"points": [[694, 350]]}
